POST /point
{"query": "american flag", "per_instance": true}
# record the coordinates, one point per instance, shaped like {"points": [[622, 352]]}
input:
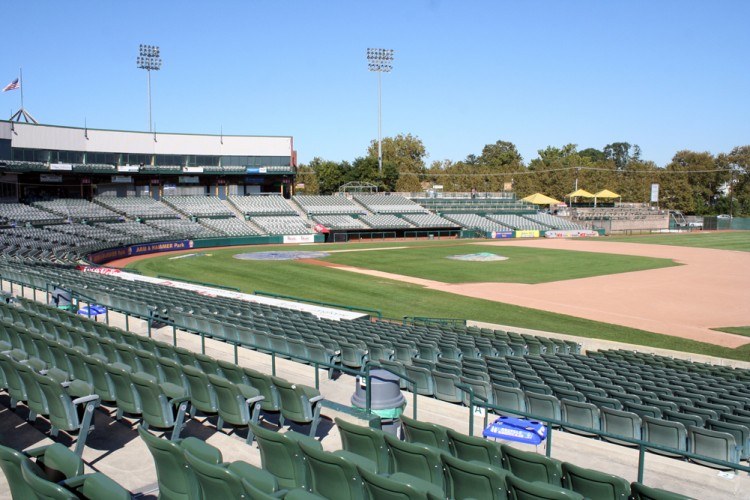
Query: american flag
{"points": [[15, 84]]}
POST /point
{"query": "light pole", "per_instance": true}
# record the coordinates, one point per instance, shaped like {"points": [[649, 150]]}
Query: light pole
{"points": [[380, 61], [149, 59]]}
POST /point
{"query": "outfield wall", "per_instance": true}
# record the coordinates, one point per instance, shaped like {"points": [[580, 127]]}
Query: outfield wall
{"points": [[123, 252]]}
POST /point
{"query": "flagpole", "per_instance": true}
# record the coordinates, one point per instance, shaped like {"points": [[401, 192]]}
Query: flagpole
{"points": [[20, 80]]}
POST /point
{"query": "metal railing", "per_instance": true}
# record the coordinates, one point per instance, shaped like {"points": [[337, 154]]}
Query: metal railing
{"points": [[550, 423]]}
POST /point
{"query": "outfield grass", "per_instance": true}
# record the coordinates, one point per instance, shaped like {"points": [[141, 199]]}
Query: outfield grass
{"points": [[524, 265], [737, 330], [722, 240], [397, 299]]}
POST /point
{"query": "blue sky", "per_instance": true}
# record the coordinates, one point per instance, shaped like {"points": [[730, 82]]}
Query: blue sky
{"points": [[666, 75]]}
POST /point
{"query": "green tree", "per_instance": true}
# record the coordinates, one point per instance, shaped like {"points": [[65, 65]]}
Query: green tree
{"points": [[622, 153], [737, 186], [406, 152], [329, 174]]}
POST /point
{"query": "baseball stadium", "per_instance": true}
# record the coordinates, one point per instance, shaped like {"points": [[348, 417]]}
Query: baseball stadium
{"points": [[181, 320]]}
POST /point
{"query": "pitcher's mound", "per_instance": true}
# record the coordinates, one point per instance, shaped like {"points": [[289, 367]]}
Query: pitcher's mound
{"points": [[280, 255], [478, 257]]}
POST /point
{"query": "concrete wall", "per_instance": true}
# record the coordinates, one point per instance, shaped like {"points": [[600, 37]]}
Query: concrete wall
{"points": [[26, 135]]}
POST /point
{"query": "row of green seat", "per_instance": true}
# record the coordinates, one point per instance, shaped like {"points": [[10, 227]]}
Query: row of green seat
{"points": [[54, 472], [154, 380]]}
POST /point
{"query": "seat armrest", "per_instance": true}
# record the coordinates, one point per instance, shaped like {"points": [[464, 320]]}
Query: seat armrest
{"points": [[86, 399], [179, 401], [75, 481], [256, 399], [316, 399]]}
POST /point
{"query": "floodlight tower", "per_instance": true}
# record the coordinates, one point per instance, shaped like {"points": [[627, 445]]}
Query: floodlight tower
{"points": [[149, 59], [380, 61]]}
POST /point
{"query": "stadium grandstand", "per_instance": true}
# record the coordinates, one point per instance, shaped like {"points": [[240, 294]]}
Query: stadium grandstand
{"points": [[179, 383]]}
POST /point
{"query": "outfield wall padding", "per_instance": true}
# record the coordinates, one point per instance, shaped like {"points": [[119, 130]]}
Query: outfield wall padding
{"points": [[123, 252]]}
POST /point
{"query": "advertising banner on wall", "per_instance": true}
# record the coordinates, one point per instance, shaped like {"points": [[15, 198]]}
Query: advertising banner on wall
{"points": [[164, 246], [571, 233], [127, 168], [192, 170], [501, 234], [299, 238], [527, 233]]}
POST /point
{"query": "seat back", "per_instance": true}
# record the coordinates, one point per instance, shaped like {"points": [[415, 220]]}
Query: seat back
{"points": [[202, 393], [741, 434], [128, 399], [594, 484], [526, 490], [474, 449], [581, 414], [365, 442], [416, 431], [665, 433], [231, 402], [381, 488], [714, 444], [10, 463], [422, 377], [472, 480], [531, 466], [543, 406], [416, 460], [157, 411], [332, 476], [216, 481], [281, 457], [176, 480], [445, 387], [41, 487], [294, 403], [640, 491], [36, 401], [509, 399], [621, 423], [62, 413], [264, 384]]}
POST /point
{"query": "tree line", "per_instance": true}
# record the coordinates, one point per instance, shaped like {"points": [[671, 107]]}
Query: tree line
{"points": [[694, 182]]}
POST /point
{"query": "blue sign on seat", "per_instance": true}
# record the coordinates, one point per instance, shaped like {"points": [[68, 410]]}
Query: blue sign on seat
{"points": [[517, 429], [92, 310]]}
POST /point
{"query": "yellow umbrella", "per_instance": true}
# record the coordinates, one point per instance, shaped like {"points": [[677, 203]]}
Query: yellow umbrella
{"points": [[580, 193], [540, 199], [606, 193]]}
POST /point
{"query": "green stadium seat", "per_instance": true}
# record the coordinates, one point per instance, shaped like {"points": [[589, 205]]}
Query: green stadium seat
{"points": [[621, 423], [526, 490], [531, 466], [584, 415], [640, 491], [160, 409], [417, 465], [238, 404], [299, 403], [474, 480], [382, 488], [666, 433], [594, 484], [365, 442], [332, 476], [426, 433], [474, 449], [281, 456], [713, 444]]}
